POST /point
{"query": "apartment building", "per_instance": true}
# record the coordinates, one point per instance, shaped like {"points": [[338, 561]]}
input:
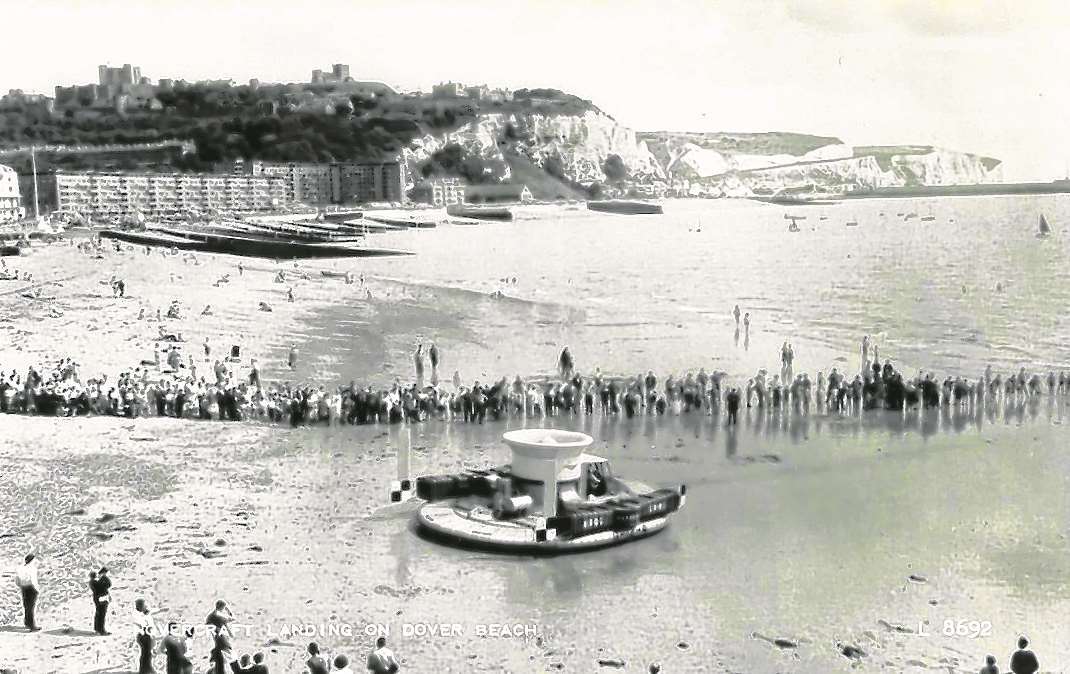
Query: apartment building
{"points": [[166, 194], [338, 182], [10, 200]]}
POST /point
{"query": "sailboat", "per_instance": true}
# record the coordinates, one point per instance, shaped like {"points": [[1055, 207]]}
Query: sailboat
{"points": [[1043, 230]]}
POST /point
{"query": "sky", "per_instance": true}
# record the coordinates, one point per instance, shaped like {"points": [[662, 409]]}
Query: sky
{"points": [[981, 76]]}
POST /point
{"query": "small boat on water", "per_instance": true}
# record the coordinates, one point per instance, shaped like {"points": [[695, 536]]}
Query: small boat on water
{"points": [[551, 498], [852, 223], [480, 212], [1043, 229], [796, 201], [625, 207], [412, 224], [245, 246], [928, 218]]}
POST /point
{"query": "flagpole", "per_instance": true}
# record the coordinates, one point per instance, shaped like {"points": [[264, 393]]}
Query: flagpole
{"points": [[33, 161]]}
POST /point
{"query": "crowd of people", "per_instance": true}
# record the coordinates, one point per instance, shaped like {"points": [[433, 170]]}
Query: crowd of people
{"points": [[231, 389], [175, 641]]}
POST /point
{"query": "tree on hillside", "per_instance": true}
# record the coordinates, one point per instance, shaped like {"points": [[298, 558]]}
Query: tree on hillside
{"points": [[615, 169], [554, 166]]}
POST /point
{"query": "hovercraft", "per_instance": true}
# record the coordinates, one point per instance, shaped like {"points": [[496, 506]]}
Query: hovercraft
{"points": [[552, 498]]}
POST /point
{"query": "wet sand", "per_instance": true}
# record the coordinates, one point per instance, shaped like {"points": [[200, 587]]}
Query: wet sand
{"points": [[805, 531]]}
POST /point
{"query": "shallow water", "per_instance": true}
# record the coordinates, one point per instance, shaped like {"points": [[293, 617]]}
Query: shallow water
{"points": [[806, 529], [629, 293], [801, 528]]}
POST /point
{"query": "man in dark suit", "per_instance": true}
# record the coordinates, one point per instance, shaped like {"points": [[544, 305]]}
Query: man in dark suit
{"points": [[99, 585], [174, 648]]}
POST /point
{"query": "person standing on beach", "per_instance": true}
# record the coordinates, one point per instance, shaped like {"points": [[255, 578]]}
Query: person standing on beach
{"points": [[732, 404], [418, 361], [218, 622], [316, 663], [990, 665], [254, 374], [174, 648], [290, 295], [433, 354], [99, 585], [746, 324], [735, 314], [382, 660], [1024, 661], [865, 353], [565, 364], [293, 356], [146, 634], [26, 579]]}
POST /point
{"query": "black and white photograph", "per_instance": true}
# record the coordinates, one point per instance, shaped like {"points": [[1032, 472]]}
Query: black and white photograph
{"points": [[534, 336]]}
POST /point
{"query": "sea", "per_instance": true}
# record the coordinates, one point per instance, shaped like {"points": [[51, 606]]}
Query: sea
{"points": [[947, 285], [919, 541]]}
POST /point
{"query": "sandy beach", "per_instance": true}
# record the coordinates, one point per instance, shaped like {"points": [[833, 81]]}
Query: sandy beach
{"points": [[821, 532]]}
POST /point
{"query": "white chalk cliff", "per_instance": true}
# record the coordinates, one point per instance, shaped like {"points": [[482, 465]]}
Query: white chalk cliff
{"points": [[713, 164]]}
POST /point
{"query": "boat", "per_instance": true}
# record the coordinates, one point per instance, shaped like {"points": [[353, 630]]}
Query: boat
{"points": [[625, 207], [329, 273], [552, 498], [212, 242], [928, 218], [341, 216], [480, 212], [412, 224], [795, 201], [852, 223], [1043, 229]]}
